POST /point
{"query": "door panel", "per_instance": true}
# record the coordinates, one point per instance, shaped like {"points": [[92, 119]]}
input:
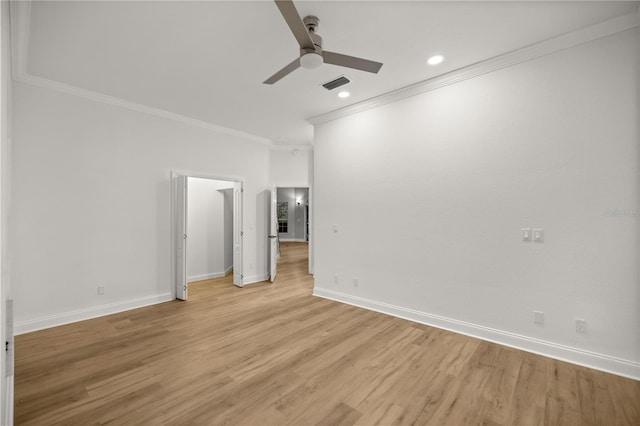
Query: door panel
{"points": [[273, 234], [181, 237], [238, 235]]}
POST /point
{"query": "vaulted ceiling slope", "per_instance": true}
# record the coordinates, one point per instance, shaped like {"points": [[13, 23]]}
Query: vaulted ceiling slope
{"points": [[206, 60]]}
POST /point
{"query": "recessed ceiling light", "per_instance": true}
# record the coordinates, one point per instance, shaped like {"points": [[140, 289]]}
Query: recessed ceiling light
{"points": [[435, 60], [344, 95]]}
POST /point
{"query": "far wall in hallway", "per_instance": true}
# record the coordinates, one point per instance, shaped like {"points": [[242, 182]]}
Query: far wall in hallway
{"points": [[297, 199]]}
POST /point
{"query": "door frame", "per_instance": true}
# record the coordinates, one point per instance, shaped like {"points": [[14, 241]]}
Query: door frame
{"points": [[237, 237], [308, 186]]}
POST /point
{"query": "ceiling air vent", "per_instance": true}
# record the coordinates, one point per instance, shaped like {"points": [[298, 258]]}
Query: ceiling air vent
{"points": [[340, 81]]}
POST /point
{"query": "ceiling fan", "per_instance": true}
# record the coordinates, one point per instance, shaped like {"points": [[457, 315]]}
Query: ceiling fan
{"points": [[311, 53]]}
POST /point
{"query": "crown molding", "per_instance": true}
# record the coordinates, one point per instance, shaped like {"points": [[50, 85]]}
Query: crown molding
{"points": [[111, 100], [566, 41], [20, 18]]}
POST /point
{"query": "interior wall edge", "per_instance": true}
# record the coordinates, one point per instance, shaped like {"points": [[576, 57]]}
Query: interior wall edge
{"points": [[28, 326], [596, 361]]}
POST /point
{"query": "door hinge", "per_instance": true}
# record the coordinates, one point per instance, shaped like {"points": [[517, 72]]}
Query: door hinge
{"points": [[241, 276], [184, 237], [241, 189], [242, 233], [6, 346]]}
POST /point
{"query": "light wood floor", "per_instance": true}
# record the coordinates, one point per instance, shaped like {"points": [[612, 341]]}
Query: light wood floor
{"points": [[274, 354]]}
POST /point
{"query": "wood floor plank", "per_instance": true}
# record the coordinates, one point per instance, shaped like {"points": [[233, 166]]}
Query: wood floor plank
{"points": [[272, 354], [562, 405], [527, 407], [342, 414]]}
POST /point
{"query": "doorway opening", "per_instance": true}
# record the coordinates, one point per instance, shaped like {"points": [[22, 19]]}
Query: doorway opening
{"points": [[207, 229], [290, 222]]}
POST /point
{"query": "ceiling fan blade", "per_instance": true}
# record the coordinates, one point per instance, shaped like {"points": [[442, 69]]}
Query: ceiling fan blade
{"points": [[298, 28], [351, 62], [283, 72]]}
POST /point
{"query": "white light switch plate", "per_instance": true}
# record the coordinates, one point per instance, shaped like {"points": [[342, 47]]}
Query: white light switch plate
{"points": [[538, 235], [526, 234]]}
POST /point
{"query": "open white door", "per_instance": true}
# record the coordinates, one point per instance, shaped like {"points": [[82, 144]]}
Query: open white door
{"points": [[181, 237], [273, 234], [238, 234]]}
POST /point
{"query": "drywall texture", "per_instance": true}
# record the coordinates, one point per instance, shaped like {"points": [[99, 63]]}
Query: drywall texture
{"points": [[92, 201], [297, 199], [428, 196], [6, 321], [290, 167], [209, 230]]}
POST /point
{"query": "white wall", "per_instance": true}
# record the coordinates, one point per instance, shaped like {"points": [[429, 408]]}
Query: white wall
{"points": [[207, 227], [429, 195], [6, 320], [290, 167], [92, 203]]}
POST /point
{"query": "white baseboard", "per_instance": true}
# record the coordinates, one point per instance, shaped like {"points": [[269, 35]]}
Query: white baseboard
{"points": [[609, 364], [293, 240], [255, 278], [209, 276], [22, 327], [7, 415]]}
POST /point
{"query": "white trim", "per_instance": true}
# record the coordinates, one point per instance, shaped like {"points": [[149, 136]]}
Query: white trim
{"points": [[585, 35], [291, 147], [299, 185], [204, 175], [609, 364], [111, 100], [209, 276], [55, 320], [293, 240], [255, 278], [7, 417], [20, 21]]}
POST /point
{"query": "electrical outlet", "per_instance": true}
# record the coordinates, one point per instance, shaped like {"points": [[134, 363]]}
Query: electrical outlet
{"points": [[581, 326], [100, 290], [538, 317]]}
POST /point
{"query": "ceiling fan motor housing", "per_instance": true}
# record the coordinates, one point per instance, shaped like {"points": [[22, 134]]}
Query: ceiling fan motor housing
{"points": [[312, 22], [312, 58]]}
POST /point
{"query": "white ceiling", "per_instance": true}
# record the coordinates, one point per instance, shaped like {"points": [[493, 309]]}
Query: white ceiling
{"points": [[207, 59]]}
